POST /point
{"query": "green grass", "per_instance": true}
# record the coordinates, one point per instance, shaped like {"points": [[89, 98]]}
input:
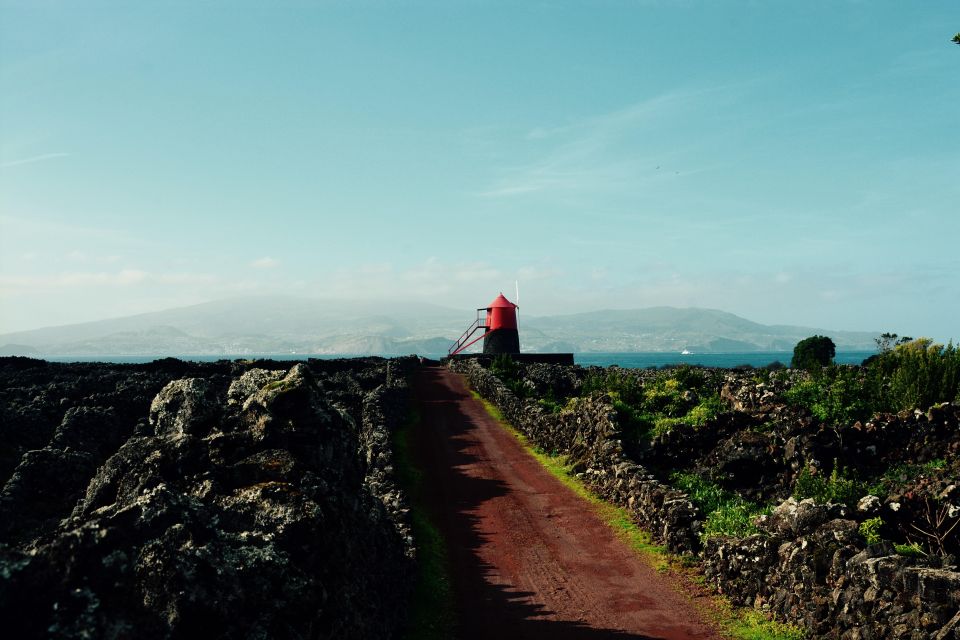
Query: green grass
{"points": [[617, 518], [726, 513], [912, 550], [839, 487], [432, 610], [753, 625], [736, 624], [900, 474]]}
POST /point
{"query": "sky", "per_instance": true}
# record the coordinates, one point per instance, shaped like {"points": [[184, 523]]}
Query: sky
{"points": [[790, 162]]}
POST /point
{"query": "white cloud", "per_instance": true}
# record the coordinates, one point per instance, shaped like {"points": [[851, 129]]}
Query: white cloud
{"points": [[621, 149], [81, 256], [32, 159], [265, 263], [99, 279]]}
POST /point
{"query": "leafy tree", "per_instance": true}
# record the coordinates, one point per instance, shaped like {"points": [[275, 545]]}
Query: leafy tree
{"points": [[956, 38], [813, 353], [888, 341]]}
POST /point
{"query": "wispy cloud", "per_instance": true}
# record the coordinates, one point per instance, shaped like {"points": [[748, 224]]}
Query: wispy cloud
{"points": [[90, 279], [13, 225], [265, 263], [618, 149], [32, 160]]}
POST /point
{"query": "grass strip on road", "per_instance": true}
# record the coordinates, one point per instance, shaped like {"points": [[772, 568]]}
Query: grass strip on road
{"points": [[431, 615], [735, 623]]}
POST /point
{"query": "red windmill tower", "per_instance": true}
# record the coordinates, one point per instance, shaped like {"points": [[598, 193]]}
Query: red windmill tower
{"points": [[500, 329]]}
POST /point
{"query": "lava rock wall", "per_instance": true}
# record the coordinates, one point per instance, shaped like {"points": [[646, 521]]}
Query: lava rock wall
{"points": [[809, 565], [588, 433], [250, 500]]}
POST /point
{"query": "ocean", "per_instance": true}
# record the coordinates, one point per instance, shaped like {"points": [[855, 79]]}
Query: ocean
{"points": [[640, 360]]}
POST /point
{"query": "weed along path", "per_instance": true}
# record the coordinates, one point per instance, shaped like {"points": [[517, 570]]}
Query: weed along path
{"points": [[529, 558]]}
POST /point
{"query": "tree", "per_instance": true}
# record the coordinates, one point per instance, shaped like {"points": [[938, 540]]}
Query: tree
{"points": [[888, 341], [956, 38], [813, 352]]}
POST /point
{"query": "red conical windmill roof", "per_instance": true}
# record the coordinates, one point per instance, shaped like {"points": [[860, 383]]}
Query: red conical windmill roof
{"points": [[500, 301]]}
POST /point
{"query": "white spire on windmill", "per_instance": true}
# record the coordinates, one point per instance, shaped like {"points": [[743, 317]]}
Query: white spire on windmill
{"points": [[516, 284]]}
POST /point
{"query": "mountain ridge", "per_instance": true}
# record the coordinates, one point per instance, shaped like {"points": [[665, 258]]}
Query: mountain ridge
{"points": [[285, 324]]}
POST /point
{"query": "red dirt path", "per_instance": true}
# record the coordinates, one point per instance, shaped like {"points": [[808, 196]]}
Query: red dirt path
{"points": [[530, 559]]}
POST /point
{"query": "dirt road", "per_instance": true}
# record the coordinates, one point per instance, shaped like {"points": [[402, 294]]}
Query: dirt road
{"points": [[530, 559]]}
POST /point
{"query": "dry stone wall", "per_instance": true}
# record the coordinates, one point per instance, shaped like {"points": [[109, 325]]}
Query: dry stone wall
{"points": [[587, 432], [809, 565], [182, 500]]}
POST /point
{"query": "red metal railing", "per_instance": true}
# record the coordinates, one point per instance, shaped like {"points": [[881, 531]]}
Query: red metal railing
{"points": [[462, 342]]}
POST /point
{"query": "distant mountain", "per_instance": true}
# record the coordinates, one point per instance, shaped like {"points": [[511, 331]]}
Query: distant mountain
{"points": [[285, 325], [673, 329]]}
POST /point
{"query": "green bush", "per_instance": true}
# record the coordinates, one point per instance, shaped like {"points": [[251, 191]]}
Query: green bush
{"points": [[870, 530], [837, 487], [510, 374], [836, 395], [813, 352], [550, 402], [732, 519], [708, 496], [727, 514], [680, 396], [912, 374], [912, 550], [667, 396], [625, 385], [915, 374], [898, 474], [635, 424]]}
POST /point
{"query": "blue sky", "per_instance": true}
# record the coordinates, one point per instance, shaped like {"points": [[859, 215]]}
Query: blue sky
{"points": [[791, 162]]}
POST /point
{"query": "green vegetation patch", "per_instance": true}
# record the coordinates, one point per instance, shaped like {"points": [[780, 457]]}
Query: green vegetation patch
{"points": [[899, 474], [753, 625], [837, 394], [740, 624], [685, 397], [905, 375], [511, 375], [870, 530], [727, 514], [431, 615], [912, 550], [839, 487]]}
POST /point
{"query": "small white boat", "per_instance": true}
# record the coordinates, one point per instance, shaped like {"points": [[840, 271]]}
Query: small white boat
{"points": [[685, 352]]}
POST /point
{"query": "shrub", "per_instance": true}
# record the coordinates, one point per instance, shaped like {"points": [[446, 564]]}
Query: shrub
{"points": [[912, 550], [813, 352], [836, 488], [550, 402], [665, 395], [708, 496], [870, 530], [624, 384], [510, 373], [734, 518], [727, 514], [708, 409], [677, 396], [836, 395], [914, 374], [899, 474], [634, 424]]}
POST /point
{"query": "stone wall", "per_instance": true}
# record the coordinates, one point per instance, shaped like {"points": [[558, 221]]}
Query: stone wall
{"points": [[236, 501], [587, 432], [809, 565]]}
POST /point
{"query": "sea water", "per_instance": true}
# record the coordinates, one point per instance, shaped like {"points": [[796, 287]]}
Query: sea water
{"points": [[641, 360], [724, 360]]}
